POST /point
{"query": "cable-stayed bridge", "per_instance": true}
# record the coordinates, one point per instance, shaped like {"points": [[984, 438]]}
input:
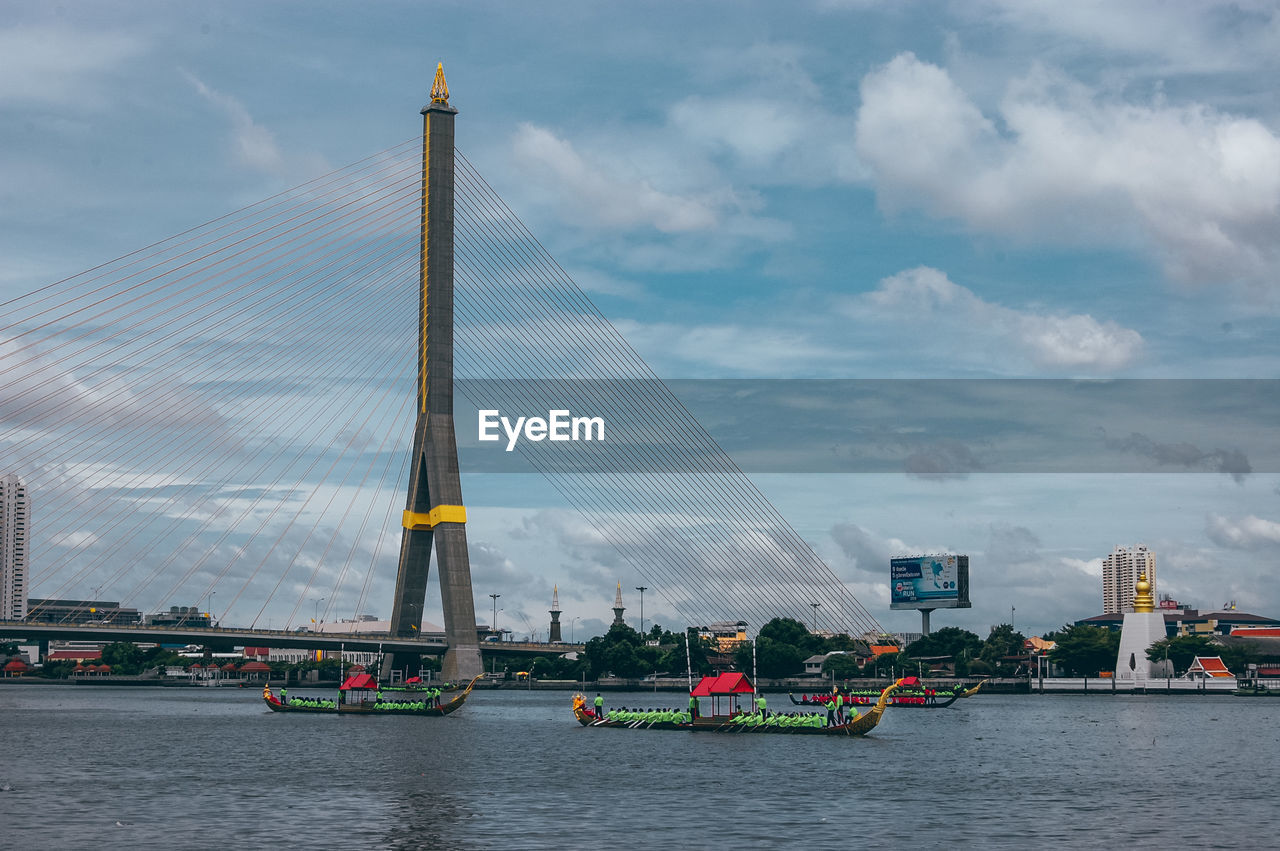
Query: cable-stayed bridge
{"points": [[223, 415]]}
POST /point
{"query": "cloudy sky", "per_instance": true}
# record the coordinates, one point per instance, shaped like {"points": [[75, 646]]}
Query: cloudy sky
{"points": [[758, 190]]}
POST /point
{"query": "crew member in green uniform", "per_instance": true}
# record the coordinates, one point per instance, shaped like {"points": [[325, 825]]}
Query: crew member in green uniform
{"points": [[284, 695], [693, 706], [599, 705], [761, 706]]}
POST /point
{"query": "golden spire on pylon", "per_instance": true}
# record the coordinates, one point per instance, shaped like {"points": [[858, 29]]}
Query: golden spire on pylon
{"points": [[1143, 599], [439, 88]]}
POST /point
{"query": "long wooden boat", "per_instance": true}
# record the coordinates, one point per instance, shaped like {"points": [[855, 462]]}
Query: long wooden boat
{"points": [[899, 701], [1255, 690], [739, 722], [365, 701]]}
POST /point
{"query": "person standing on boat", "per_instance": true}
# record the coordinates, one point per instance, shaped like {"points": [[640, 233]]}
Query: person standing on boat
{"points": [[830, 704], [284, 695], [839, 706], [599, 705], [761, 706], [693, 707]]}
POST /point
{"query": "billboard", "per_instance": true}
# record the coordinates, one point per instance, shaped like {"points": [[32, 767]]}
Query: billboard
{"points": [[929, 582]]}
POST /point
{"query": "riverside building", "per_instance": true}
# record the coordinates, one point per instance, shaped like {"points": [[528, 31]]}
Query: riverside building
{"points": [[15, 518], [1120, 572]]}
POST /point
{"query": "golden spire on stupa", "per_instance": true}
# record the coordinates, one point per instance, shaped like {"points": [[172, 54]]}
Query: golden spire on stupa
{"points": [[1143, 599], [439, 88]]}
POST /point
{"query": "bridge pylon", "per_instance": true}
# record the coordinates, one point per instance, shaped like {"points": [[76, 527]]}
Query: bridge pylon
{"points": [[434, 512]]}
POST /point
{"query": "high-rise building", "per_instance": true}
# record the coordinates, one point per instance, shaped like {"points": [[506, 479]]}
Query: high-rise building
{"points": [[1120, 572], [15, 518]]}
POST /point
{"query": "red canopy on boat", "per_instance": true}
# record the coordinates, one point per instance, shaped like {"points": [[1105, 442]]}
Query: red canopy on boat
{"points": [[722, 684], [408, 681], [359, 681], [911, 681]]}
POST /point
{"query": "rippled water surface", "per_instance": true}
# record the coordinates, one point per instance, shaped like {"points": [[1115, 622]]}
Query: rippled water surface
{"points": [[110, 767]]}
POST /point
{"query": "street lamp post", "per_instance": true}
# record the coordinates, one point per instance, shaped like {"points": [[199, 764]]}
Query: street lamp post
{"points": [[815, 615], [212, 594], [642, 589], [315, 621], [572, 622], [494, 625]]}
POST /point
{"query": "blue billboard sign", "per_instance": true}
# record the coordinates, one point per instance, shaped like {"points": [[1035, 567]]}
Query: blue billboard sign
{"points": [[929, 582]]}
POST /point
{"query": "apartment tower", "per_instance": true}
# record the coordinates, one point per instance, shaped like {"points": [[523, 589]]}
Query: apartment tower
{"points": [[1120, 572], [15, 518]]}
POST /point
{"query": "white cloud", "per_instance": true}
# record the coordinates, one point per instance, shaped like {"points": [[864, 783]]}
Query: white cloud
{"points": [[1053, 341], [1247, 533], [43, 63], [596, 193], [1062, 162], [254, 145], [756, 351], [1204, 36], [760, 110], [1091, 567], [74, 540]]}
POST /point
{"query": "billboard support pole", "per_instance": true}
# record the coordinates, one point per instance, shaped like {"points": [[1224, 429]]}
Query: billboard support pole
{"points": [[924, 621]]}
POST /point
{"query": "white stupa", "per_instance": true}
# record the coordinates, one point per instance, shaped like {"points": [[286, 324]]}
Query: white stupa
{"points": [[1142, 627]]}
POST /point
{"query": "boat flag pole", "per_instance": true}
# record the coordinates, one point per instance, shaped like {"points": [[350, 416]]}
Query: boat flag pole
{"points": [[688, 659], [754, 674]]}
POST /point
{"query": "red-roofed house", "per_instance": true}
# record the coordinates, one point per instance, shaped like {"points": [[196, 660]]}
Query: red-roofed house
{"points": [[256, 670], [1208, 667], [73, 655], [15, 668]]}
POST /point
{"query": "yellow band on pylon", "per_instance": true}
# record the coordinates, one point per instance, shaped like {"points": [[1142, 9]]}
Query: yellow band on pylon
{"points": [[434, 517]]}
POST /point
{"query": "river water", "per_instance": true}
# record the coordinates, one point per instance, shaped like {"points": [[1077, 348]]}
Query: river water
{"points": [[107, 767]]}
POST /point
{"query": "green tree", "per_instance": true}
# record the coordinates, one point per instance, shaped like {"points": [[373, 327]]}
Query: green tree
{"points": [[842, 665], [600, 654], [1238, 657], [124, 657], [57, 670], [778, 659], [792, 632], [1085, 650], [1002, 642], [884, 664], [772, 658], [948, 641], [1182, 650], [621, 660]]}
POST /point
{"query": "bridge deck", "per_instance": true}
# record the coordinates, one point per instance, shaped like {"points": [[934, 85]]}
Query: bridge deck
{"points": [[273, 638]]}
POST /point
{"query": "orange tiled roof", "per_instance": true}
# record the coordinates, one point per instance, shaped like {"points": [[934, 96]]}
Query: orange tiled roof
{"points": [[1212, 666]]}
